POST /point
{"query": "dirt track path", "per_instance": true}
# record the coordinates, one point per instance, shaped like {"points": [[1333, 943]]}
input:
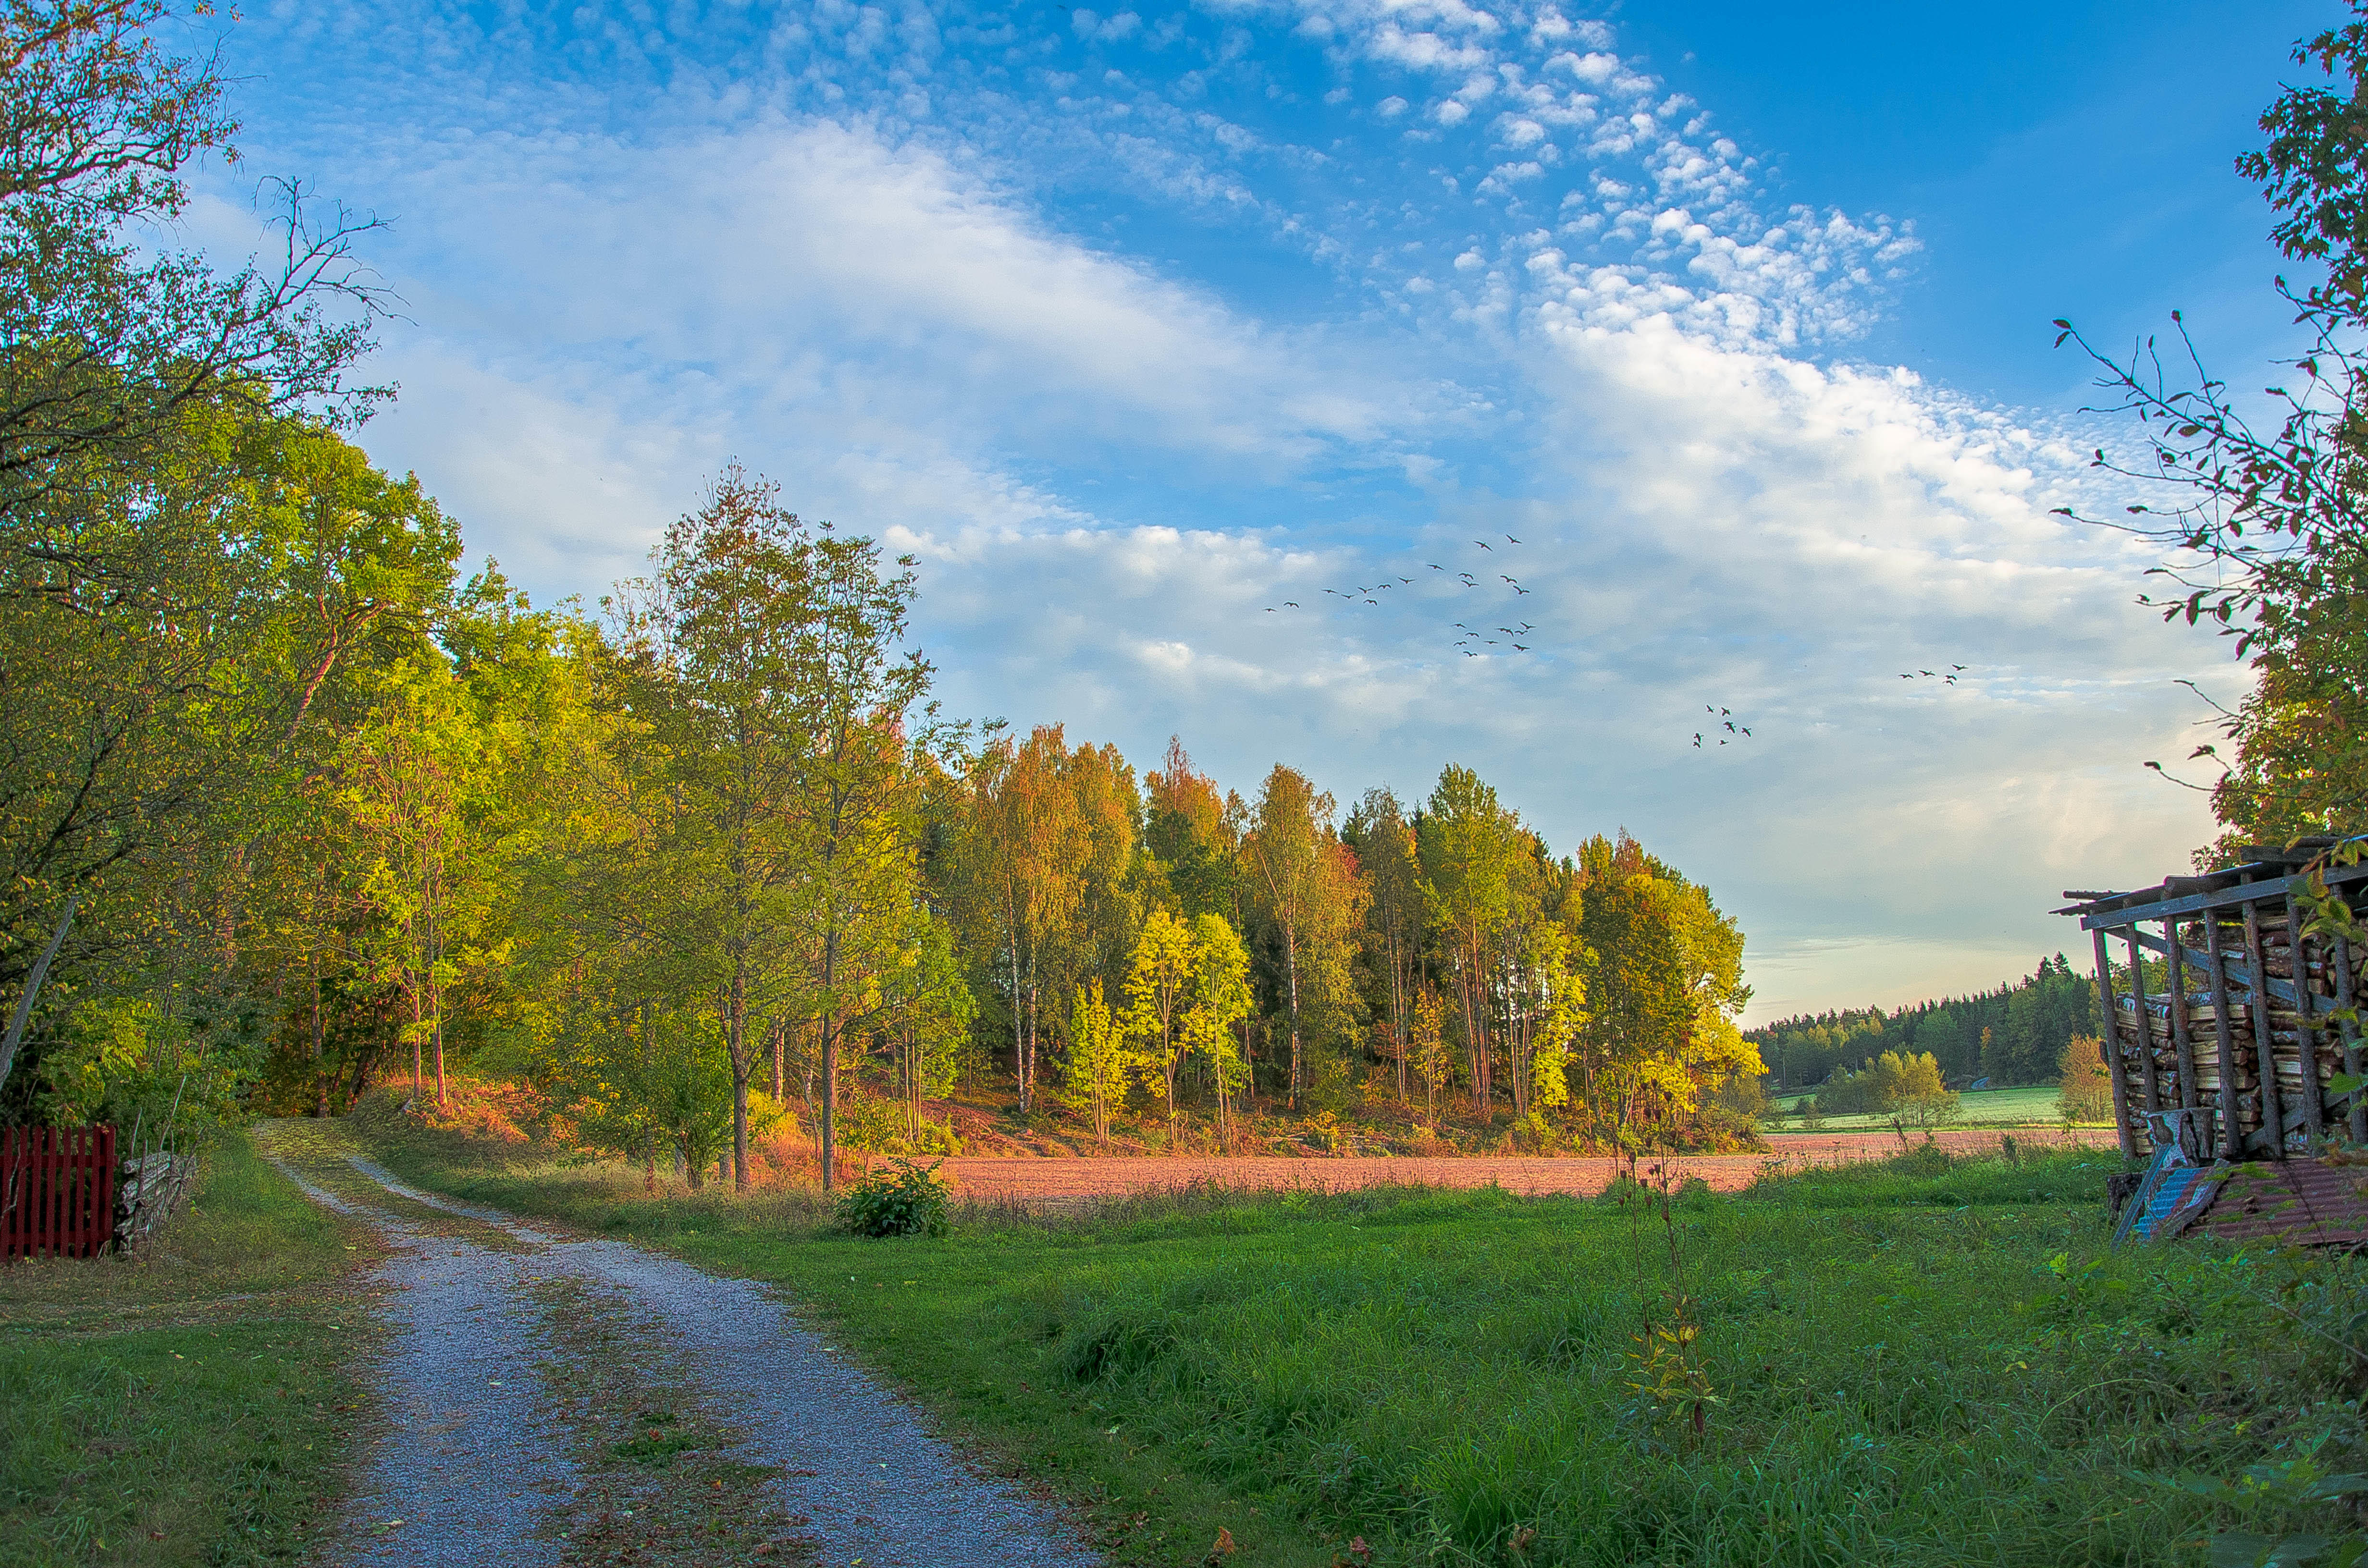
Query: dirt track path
{"points": [[551, 1400], [1056, 1182]]}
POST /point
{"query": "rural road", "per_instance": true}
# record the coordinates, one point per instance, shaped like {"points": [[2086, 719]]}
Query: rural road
{"points": [[1055, 1182], [543, 1399]]}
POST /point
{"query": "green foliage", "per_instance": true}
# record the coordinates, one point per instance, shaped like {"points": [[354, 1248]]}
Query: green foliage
{"points": [[903, 1200]]}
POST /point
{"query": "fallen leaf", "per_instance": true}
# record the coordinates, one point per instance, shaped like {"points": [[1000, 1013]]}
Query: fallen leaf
{"points": [[1357, 1549], [1224, 1546]]}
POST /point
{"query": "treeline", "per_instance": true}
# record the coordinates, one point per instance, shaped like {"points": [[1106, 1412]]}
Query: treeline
{"points": [[294, 806], [2015, 1034]]}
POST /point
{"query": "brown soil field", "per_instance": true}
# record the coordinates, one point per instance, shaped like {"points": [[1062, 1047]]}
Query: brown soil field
{"points": [[1059, 1182]]}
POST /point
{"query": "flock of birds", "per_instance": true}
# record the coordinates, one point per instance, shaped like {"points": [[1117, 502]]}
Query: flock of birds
{"points": [[1724, 731], [1472, 639]]}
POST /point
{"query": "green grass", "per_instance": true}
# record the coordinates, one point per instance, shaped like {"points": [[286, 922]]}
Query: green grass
{"points": [[1926, 1361], [2032, 1106], [181, 1406]]}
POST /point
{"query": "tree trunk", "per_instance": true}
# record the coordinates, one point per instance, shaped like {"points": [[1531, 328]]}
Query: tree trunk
{"points": [[780, 1033], [829, 1063], [1290, 975], [743, 1060], [319, 1067]]}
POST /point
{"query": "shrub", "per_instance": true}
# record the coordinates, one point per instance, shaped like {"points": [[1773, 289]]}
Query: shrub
{"points": [[903, 1200], [2084, 1090]]}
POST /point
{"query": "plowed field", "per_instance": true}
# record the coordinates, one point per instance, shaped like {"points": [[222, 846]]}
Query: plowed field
{"points": [[1056, 1182]]}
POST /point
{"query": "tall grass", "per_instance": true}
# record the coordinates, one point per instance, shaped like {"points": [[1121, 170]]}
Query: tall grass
{"points": [[1927, 1361]]}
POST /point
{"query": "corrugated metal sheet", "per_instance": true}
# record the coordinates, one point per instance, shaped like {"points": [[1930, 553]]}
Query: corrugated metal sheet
{"points": [[2300, 1201]]}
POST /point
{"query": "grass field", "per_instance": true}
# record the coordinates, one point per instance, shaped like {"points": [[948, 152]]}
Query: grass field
{"points": [[1925, 1362], [2032, 1106], [180, 1407]]}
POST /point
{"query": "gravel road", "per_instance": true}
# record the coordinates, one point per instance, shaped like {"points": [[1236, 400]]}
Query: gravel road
{"points": [[548, 1399]]}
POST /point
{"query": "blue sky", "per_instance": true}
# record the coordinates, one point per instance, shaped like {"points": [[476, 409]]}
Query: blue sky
{"points": [[1132, 320]]}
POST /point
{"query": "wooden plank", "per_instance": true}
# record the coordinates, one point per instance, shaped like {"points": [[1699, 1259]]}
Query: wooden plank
{"points": [[2349, 1029], [2146, 1025], [2277, 988], [2265, 1061], [2183, 1044], [2122, 913], [2232, 1136], [2111, 1046], [2297, 959]]}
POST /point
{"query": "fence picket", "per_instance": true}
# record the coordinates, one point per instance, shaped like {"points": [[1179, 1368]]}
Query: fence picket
{"points": [[57, 1191]]}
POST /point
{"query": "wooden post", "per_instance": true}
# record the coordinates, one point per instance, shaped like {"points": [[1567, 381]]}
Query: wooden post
{"points": [[2145, 1019], [2349, 1033], [2182, 1043], [2314, 1119], [2232, 1135], [2265, 1055], [2112, 1044]]}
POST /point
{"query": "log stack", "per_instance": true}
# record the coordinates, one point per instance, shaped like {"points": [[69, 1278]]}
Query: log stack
{"points": [[2227, 998]]}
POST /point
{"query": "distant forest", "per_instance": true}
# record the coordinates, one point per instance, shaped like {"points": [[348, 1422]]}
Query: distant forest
{"points": [[2015, 1034]]}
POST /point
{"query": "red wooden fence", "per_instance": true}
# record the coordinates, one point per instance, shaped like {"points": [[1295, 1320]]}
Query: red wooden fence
{"points": [[57, 1191]]}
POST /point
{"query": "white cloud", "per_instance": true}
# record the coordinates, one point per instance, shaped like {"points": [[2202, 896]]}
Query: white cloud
{"points": [[980, 328]]}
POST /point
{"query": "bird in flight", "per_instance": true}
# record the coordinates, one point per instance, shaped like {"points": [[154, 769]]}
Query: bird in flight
{"points": [[1482, 543], [1291, 604], [1510, 539], [1697, 740], [1522, 646]]}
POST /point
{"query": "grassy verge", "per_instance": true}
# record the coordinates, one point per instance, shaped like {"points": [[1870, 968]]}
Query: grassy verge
{"points": [[181, 1406], [1931, 1361]]}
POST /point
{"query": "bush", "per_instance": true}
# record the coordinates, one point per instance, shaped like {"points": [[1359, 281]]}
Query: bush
{"points": [[904, 1200], [1892, 1082]]}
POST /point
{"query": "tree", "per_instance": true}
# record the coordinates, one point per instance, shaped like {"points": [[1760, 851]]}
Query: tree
{"points": [[2263, 529], [1306, 882], [1096, 1068], [1157, 984], [1434, 1057], [715, 645], [853, 800], [1664, 985], [110, 342], [1034, 870], [412, 779], [2084, 1087], [1395, 917], [1474, 856], [1221, 999]]}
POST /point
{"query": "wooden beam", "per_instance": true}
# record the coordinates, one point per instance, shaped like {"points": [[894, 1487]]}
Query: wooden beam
{"points": [[2237, 972], [2348, 1029], [2313, 1119], [2232, 1136], [2182, 1043], [2265, 1056], [2146, 1020], [2112, 1045], [2123, 911]]}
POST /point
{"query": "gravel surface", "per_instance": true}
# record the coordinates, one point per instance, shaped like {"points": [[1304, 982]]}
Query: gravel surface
{"points": [[481, 1382]]}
